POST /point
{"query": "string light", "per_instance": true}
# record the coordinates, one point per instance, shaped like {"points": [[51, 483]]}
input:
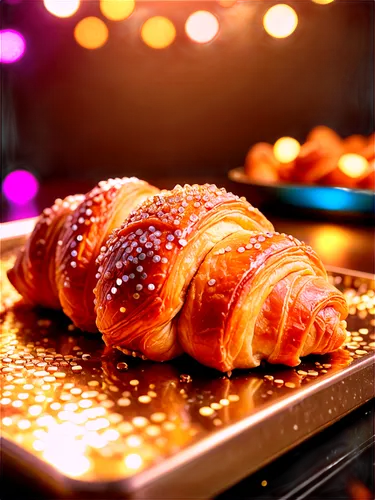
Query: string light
{"points": [[202, 26], [117, 10], [91, 33], [323, 2], [62, 8], [20, 186], [158, 32], [12, 46], [353, 165], [286, 149], [280, 21]]}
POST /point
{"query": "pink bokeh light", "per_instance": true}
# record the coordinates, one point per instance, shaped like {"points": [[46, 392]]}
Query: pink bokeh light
{"points": [[20, 186], [12, 46]]}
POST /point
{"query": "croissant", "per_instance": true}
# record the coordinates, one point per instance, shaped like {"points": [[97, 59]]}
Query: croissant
{"points": [[87, 228], [195, 270], [275, 304], [33, 274], [56, 269], [148, 264], [223, 287]]}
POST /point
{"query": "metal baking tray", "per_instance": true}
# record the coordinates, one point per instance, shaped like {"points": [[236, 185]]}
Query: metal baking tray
{"points": [[91, 423]]}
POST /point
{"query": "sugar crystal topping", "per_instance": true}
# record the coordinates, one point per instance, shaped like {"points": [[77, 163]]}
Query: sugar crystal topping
{"points": [[152, 236], [88, 220], [50, 215]]}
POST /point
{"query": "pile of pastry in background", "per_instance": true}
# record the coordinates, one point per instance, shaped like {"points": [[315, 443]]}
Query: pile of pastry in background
{"points": [[325, 159]]}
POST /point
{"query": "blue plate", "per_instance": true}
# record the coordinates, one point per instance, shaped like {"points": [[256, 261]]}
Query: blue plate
{"points": [[337, 199]]}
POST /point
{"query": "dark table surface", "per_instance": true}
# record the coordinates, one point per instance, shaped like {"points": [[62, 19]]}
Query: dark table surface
{"points": [[338, 463]]}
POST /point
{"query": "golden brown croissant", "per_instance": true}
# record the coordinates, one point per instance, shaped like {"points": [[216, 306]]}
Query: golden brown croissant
{"points": [[149, 262], [195, 270], [57, 266], [226, 296], [86, 229], [33, 274], [261, 296]]}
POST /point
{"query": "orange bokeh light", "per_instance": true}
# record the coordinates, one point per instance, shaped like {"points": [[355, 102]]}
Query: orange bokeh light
{"points": [[91, 33], [202, 26], [280, 21], [158, 32], [62, 8], [117, 10]]}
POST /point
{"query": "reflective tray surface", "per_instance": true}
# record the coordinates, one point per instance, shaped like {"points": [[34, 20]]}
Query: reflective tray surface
{"points": [[85, 418]]}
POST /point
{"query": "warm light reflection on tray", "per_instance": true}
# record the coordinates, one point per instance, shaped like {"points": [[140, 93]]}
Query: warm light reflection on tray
{"points": [[99, 415]]}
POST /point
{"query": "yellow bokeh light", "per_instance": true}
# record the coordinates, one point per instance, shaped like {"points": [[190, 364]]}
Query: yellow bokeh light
{"points": [[158, 32], [35, 410], [286, 149], [24, 424], [327, 240], [133, 461], [280, 21], [74, 467], [65, 452], [133, 441], [202, 26], [91, 33], [353, 165], [117, 10], [322, 2], [62, 8]]}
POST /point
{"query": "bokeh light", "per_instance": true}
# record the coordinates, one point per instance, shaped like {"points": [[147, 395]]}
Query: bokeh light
{"points": [[353, 165], [286, 149], [158, 32], [328, 239], [117, 10], [20, 186], [133, 461], [62, 8], [91, 33], [280, 21], [202, 26], [323, 2], [12, 46]]}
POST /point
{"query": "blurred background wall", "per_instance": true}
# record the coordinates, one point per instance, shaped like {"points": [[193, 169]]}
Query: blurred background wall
{"points": [[69, 112]]}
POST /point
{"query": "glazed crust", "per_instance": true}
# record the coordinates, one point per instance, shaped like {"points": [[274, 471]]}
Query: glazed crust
{"points": [[86, 229], [149, 262], [261, 296], [33, 274], [195, 270]]}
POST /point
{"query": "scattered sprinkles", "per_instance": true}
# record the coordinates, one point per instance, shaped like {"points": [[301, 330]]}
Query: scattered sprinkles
{"points": [[97, 207], [150, 242]]}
